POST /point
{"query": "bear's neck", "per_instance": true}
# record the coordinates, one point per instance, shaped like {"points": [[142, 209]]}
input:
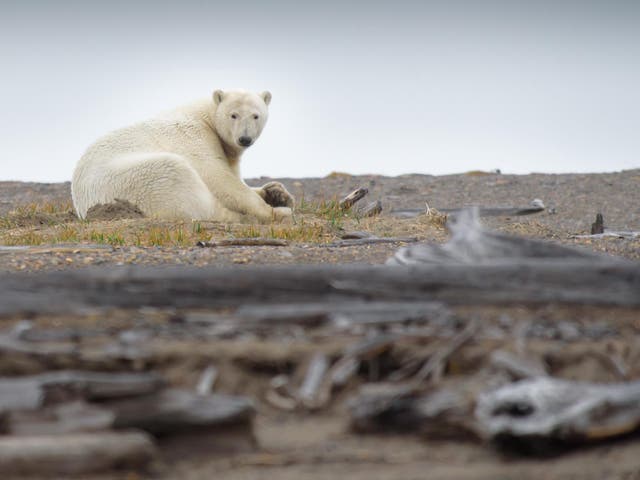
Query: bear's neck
{"points": [[233, 154]]}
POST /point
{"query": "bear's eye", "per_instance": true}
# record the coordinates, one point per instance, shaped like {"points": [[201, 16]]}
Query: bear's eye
{"points": [[234, 116], [255, 117]]}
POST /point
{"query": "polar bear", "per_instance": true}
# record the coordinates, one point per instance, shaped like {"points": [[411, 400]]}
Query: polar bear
{"points": [[184, 164]]}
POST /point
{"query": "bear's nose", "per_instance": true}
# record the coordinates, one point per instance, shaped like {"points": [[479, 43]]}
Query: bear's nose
{"points": [[245, 141]]}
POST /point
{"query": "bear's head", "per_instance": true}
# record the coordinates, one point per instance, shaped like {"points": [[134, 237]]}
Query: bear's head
{"points": [[240, 116]]}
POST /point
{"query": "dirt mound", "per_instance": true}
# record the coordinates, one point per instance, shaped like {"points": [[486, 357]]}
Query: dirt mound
{"points": [[116, 210]]}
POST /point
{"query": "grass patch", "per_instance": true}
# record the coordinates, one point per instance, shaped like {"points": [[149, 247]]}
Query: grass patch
{"points": [[314, 222]]}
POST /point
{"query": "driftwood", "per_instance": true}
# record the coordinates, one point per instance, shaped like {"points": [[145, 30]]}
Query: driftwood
{"points": [[537, 412], [342, 313], [245, 242], [564, 280], [441, 413], [517, 366], [35, 391], [347, 202], [434, 367], [536, 207], [370, 241], [470, 243], [309, 390], [75, 454], [598, 225], [371, 210], [174, 411], [207, 380], [64, 418], [611, 234], [60, 248]]}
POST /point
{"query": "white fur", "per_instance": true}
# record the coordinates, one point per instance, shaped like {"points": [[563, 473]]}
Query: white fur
{"points": [[183, 164]]}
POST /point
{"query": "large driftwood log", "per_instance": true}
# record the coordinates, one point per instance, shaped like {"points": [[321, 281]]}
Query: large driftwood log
{"points": [[534, 413], [536, 206], [75, 454], [24, 393], [472, 244], [561, 280], [174, 411]]}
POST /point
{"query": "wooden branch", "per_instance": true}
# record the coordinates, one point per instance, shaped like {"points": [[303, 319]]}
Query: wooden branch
{"points": [[246, 242], [370, 241], [347, 202]]}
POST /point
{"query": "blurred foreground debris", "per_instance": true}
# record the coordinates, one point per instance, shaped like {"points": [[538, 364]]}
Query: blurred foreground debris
{"points": [[483, 338], [535, 413], [74, 422]]}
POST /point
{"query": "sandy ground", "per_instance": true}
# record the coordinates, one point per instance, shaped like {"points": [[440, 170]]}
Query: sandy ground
{"points": [[319, 445]]}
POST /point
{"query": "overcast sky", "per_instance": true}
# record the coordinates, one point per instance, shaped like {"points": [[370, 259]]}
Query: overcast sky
{"points": [[360, 87]]}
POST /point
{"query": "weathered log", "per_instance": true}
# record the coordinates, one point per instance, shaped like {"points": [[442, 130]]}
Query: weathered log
{"points": [[74, 454], [173, 411], [535, 413], [32, 392], [371, 210], [578, 279], [470, 243], [536, 207], [347, 202], [445, 412], [59, 248], [341, 313], [370, 241], [10, 344], [72, 417]]}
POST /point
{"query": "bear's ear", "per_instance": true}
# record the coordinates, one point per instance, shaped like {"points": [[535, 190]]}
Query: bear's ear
{"points": [[218, 95], [266, 96]]}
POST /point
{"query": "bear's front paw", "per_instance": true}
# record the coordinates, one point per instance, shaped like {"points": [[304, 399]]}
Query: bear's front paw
{"points": [[282, 214], [276, 195]]}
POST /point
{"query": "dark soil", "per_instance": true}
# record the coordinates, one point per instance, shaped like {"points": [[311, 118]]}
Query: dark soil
{"points": [[117, 210]]}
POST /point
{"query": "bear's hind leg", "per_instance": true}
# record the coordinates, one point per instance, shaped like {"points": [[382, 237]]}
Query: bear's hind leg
{"points": [[162, 185]]}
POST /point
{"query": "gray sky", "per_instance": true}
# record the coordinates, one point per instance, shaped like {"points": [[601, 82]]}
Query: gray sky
{"points": [[361, 87]]}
